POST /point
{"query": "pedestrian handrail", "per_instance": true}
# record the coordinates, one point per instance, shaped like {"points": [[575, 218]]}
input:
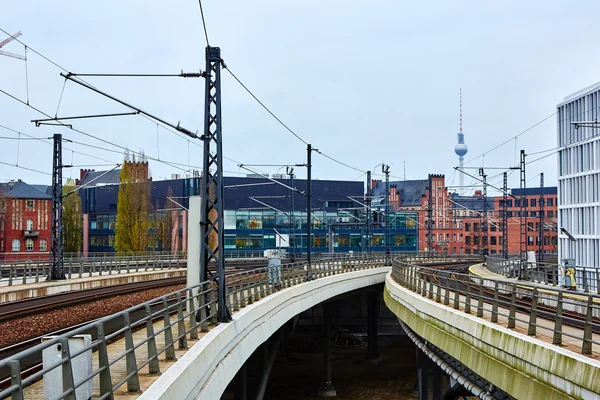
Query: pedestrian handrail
{"points": [[183, 314], [585, 278], [517, 302]]}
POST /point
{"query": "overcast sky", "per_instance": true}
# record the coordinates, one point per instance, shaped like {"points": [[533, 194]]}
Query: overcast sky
{"points": [[365, 82]]}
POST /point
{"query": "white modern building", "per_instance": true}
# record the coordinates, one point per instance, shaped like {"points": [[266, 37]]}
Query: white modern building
{"points": [[579, 177]]}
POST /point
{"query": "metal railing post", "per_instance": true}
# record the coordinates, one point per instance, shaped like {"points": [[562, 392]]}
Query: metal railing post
{"points": [[468, 298], [479, 313], [68, 383], [15, 379], [133, 382], [586, 346], [153, 365], [168, 332], [202, 307], [103, 363], [181, 323], [512, 309], [531, 329], [494, 317], [192, 311], [557, 337]]}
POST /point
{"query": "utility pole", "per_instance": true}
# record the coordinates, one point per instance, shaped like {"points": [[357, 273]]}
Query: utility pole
{"points": [[309, 151], [505, 216], [429, 218], [541, 223], [386, 237], [369, 213], [484, 225], [212, 181], [56, 250], [290, 171], [523, 217]]}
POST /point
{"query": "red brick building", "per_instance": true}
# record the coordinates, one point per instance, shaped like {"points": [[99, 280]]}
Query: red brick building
{"points": [[25, 221], [457, 220]]}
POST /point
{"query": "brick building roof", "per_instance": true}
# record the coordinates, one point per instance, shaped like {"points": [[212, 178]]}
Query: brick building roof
{"points": [[21, 190]]}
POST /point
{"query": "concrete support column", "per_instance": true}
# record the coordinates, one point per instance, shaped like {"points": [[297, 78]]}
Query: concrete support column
{"points": [[372, 314], [326, 389], [423, 366]]}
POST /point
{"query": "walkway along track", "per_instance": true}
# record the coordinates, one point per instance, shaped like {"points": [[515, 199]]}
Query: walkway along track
{"points": [[460, 278]]}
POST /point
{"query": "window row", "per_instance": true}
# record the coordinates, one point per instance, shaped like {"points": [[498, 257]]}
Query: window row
{"points": [[320, 220], [319, 241], [29, 245]]}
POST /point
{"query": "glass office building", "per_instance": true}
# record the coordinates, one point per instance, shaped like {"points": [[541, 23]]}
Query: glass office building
{"points": [[250, 219]]}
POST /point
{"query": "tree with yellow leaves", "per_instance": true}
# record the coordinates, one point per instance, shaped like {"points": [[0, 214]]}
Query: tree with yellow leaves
{"points": [[133, 211]]}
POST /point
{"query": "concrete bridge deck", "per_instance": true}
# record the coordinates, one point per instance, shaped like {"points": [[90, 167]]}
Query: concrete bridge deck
{"points": [[524, 366]]}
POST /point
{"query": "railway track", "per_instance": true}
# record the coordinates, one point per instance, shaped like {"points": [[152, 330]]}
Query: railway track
{"points": [[523, 304], [36, 305]]}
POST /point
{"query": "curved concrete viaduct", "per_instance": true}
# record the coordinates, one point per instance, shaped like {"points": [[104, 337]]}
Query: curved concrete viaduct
{"points": [[207, 368], [522, 366]]}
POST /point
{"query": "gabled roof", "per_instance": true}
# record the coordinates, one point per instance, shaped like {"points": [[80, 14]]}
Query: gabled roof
{"points": [[21, 190], [43, 188], [410, 192], [95, 178], [472, 203]]}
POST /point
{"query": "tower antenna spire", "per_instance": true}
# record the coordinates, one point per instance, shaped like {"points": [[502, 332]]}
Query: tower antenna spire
{"points": [[460, 110], [461, 148]]}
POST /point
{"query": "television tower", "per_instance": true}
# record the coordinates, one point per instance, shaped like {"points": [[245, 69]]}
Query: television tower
{"points": [[461, 148]]}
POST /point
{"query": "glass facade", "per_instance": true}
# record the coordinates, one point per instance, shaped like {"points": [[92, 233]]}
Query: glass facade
{"points": [[340, 231]]}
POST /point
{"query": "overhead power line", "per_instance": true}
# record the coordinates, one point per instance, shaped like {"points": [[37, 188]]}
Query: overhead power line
{"points": [[203, 22], [226, 68], [92, 136], [513, 138]]}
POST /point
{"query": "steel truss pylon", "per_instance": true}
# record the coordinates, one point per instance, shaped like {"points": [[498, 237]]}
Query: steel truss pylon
{"points": [[211, 217], [56, 250]]}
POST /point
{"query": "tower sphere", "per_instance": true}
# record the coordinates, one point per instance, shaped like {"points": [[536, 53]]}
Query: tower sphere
{"points": [[461, 149]]}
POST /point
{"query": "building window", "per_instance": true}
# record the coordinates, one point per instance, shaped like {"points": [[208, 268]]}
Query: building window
{"points": [[29, 224], [30, 204], [493, 240], [43, 245], [1, 244], [16, 245], [2, 225], [460, 238], [29, 245], [530, 240], [454, 239], [532, 202], [549, 202]]}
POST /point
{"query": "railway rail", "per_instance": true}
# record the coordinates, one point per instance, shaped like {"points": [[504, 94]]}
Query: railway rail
{"points": [[520, 302]]}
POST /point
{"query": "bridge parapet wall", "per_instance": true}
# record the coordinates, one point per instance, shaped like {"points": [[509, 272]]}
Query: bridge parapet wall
{"points": [[521, 365]]}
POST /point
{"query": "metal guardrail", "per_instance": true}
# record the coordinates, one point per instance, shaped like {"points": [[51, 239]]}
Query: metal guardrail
{"points": [[585, 278], [37, 268], [80, 267], [516, 302], [195, 305]]}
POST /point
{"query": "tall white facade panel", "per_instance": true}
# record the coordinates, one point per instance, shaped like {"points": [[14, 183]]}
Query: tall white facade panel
{"points": [[579, 178]]}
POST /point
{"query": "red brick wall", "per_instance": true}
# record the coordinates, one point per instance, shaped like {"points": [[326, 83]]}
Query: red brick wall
{"points": [[15, 216], [444, 213]]}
